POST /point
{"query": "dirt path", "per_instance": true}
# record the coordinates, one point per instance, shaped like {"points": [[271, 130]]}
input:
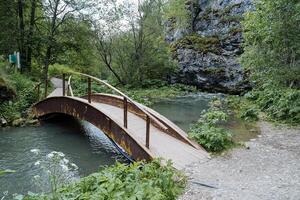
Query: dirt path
{"points": [[268, 168]]}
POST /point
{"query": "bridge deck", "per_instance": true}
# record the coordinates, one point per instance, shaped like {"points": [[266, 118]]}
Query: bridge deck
{"points": [[161, 144]]}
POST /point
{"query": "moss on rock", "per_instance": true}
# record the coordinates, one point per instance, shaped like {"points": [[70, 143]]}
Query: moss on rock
{"points": [[198, 43], [231, 18]]}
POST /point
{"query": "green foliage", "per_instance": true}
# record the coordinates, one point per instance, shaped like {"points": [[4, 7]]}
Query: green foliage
{"points": [[250, 114], [272, 54], [243, 107], [198, 43], [136, 181], [208, 133], [56, 70], [177, 9], [148, 96], [279, 104], [272, 47], [231, 18], [9, 32], [26, 96]]}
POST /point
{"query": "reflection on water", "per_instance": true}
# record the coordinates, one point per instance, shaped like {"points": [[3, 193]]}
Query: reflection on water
{"points": [[242, 131], [82, 144], [184, 111]]}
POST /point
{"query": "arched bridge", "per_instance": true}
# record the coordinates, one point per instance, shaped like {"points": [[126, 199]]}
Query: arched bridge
{"points": [[142, 132]]}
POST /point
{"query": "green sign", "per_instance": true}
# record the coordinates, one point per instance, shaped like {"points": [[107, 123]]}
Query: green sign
{"points": [[13, 58]]}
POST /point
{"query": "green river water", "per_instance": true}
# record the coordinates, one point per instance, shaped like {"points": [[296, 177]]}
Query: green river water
{"points": [[84, 144]]}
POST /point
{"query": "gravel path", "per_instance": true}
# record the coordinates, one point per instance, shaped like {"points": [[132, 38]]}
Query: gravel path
{"points": [[268, 168]]}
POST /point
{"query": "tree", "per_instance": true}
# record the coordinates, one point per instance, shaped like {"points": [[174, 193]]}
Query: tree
{"points": [[8, 24], [29, 44], [57, 13], [131, 42], [106, 28], [272, 47]]}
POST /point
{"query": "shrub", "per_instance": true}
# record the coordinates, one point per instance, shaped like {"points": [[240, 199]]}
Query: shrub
{"points": [[58, 70], [250, 113], [280, 104], [26, 96], [207, 133], [136, 181]]}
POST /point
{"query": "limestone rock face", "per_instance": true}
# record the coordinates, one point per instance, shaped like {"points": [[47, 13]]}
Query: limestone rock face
{"points": [[207, 50]]}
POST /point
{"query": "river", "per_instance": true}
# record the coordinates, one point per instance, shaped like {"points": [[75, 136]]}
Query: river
{"points": [[84, 144]]}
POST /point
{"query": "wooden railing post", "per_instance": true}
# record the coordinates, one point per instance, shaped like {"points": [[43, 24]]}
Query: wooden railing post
{"points": [[125, 111], [89, 90], [148, 132], [64, 84]]}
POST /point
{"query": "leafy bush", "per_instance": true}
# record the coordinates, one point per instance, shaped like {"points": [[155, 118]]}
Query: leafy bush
{"points": [[57, 70], [207, 133], [26, 96], [280, 104], [136, 181], [244, 107], [250, 114]]}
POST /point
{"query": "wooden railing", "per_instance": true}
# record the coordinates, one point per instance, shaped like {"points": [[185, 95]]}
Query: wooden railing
{"points": [[126, 99]]}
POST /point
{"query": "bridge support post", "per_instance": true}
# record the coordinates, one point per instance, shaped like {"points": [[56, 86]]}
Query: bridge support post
{"points": [[89, 90], [125, 112], [63, 85], [148, 132]]}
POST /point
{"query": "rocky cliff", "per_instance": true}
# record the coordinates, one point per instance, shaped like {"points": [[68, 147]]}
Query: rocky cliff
{"points": [[207, 50]]}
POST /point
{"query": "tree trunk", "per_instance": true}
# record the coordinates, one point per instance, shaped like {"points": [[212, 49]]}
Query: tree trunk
{"points": [[29, 37], [49, 46], [115, 73], [21, 31], [46, 67]]}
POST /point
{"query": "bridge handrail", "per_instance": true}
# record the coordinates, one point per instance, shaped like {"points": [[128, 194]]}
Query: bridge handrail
{"points": [[147, 113]]}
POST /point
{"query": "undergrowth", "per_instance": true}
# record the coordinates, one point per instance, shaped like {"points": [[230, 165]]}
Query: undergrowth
{"points": [[278, 104], [135, 181], [25, 97]]}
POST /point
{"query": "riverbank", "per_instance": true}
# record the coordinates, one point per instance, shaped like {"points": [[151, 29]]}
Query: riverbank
{"points": [[266, 168]]}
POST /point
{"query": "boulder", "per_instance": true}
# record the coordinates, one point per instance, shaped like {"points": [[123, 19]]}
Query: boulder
{"points": [[3, 122]]}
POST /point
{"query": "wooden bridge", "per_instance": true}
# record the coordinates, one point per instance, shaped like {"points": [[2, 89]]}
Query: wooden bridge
{"points": [[142, 132]]}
